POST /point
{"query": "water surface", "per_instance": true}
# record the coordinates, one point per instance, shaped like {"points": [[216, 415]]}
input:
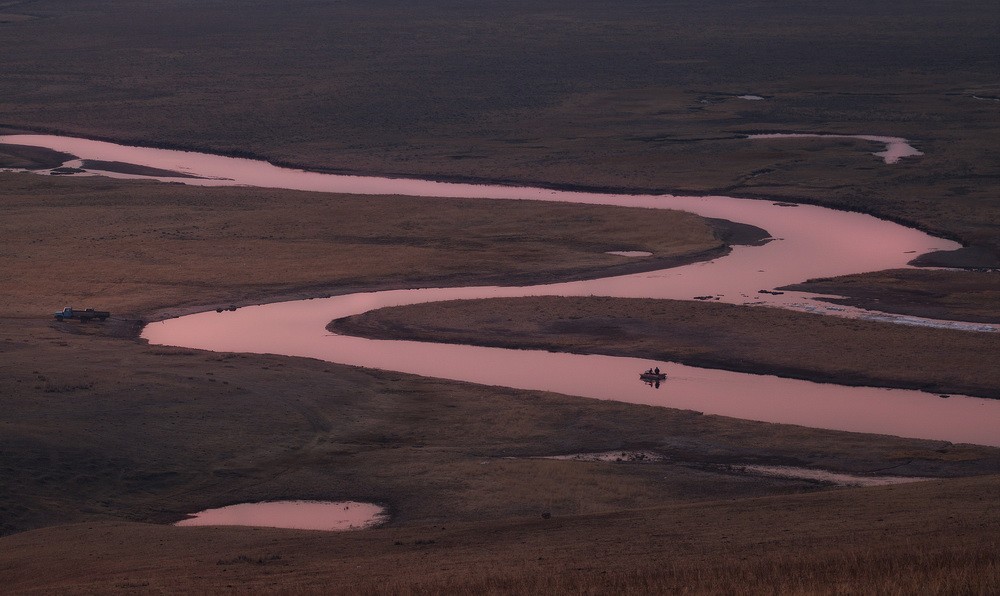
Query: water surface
{"points": [[297, 515], [297, 329]]}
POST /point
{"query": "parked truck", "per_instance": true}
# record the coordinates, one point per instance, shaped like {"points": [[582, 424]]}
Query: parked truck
{"points": [[82, 315]]}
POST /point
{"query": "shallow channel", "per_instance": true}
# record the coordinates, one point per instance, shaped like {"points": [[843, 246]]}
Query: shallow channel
{"points": [[809, 242]]}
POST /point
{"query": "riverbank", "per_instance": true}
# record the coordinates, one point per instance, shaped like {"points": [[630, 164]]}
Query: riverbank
{"points": [[935, 294]]}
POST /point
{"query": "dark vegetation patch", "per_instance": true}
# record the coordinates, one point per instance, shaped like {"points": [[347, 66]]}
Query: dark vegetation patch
{"points": [[948, 295], [11, 18], [129, 168], [31, 158], [968, 257]]}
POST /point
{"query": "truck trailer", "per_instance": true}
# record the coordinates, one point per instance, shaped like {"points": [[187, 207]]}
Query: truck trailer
{"points": [[82, 315]]}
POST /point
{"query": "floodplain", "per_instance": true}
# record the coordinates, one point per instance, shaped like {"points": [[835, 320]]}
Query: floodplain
{"points": [[107, 440]]}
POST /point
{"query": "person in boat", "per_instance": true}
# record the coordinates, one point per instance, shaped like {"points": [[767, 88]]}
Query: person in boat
{"points": [[657, 370]]}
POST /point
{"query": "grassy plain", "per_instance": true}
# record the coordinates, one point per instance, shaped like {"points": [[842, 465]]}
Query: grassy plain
{"points": [[926, 538], [140, 248], [99, 428], [635, 95], [640, 94]]}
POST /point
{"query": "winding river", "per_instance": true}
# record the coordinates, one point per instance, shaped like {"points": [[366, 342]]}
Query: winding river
{"points": [[808, 242]]}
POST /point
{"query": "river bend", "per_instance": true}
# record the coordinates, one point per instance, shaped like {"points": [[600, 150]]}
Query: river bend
{"points": [[808, 242]]}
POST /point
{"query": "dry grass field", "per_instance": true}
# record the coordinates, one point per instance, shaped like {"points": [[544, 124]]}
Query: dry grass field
{"points": [[926, 538], [98, 427], [640, 94], [104, 440], [118, 437], [136, 248]]}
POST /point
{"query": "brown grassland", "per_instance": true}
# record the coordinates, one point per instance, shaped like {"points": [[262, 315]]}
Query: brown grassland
{"points": [[642, 95], [100, 428], [937, 537], [937, 294], [141, 247], [105, 440]]}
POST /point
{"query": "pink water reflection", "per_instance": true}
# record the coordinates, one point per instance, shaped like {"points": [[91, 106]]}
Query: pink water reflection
{"points": [[297, 515], [296, 329], [810, 242]]}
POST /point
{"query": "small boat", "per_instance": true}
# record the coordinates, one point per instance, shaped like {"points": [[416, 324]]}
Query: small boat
{"points": [[652, 376]]}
